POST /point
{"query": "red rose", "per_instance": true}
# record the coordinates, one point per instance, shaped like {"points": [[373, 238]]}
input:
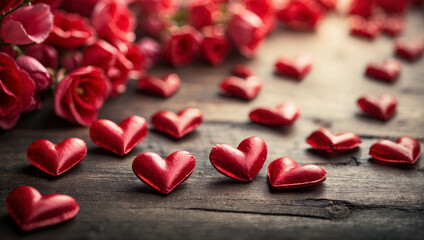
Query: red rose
{"points": [[392, 6], [164, 7], [203, 13], [180, 45], [327, 4], [8, 49], [80, 95], [115, 65], [300, 14], [71, 60], [136, 56], [265, 9], [16, 91], [5, 6], [27, 25], [361, 7], [52, 3], [152, 51], [74, 6], [69, 31], [45, 54], [113, 21], [153, 25], [215, 45], [247, 31]]}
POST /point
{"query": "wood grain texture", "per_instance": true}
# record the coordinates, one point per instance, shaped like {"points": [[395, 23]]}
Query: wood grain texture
{"points": [[361, 198]]}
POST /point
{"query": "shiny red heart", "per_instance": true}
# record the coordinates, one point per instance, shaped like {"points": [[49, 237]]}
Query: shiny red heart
{"points": [[367, 28], [284, 114], [122, 138], [296, 68], [164, 174], [284, 173], [241, 70], [387, 71], [242, 163], [56, 159], [31, 210], [393, 25], [410, 50], [324, 140], [177, 125], [244, 88], [164, 87], [404, 150], [382, 107]]}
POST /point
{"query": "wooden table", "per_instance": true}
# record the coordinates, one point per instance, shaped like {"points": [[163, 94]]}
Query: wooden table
{"points": [[361, 198]]}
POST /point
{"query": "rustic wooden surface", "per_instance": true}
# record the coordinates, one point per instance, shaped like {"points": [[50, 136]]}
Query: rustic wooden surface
{"points": [[361, 198]]}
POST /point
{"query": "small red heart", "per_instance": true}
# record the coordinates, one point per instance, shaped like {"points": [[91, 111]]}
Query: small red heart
{"points": [[410, 50], [241, 70], [164, 87], [393, 25], [177, 125], [242, 163], [382, 107], [386, 71], [164, 174], [404, 150], [284, 114], [284, 173], [244, 88], [368, 28], [56, 159], [296, 68], [31, 210], [324, 140], [122, 138]]}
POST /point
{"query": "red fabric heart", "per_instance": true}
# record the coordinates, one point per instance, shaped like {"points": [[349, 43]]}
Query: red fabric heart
{"points": [[242, 163], [177, 125], [382, 107], [241, 70], [284, 114], [296, 68], [324, 140], [386, 71], [404, 150], [164, 174], [164, 87], [31, 210], [244, 88], [410, 50], [367, 28], [122, 138], [56, 159], [284, 173], [393, 25]]}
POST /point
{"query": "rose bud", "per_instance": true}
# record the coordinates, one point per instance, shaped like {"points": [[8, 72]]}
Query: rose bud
{"points": [[45, 54], [265, 9], [5, 6], [52, 3], [28, 24], [203, 13], [74, 6], [152, 51], [361, 7], [16, 91], [392, 6], [71, 60], [247, 31], [80, 95], [69, 31], [215, 45], [300, 14], [36, 71], [164, 7], [180, 45]]}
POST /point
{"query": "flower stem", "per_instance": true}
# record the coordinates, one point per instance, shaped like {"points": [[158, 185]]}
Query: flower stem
{"points": [[23, 3]]}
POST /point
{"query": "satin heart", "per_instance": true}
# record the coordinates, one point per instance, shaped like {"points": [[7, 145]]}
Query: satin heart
{"points": [[404, 150], [386, 71], [242, 163], [284, 114], [56, 159], [382, 107], [284, 173], [393, 25], [362, 27], [164, 174], [324, 140], [244, 88], [410, 50], [296, 68], [241, 70], [164, 87], [122, 138], [177, 125], [31, 210]]}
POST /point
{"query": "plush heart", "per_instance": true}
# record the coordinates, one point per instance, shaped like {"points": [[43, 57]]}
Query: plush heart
{"points": [[244, 88], [393, 25], [121, 138], [382, 107], [241, 70], [296, 68], [284, 114], [31, 210], [56, 159], [387, 71], [324, 140], [284, 173], [164, 87], [242, 163], [367, 28], [164, 174], [410, 50], [404, 150], [177, 125]]}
